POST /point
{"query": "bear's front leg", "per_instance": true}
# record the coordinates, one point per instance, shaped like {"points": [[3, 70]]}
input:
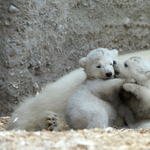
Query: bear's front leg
{"points": [[130, 80], [140, 92], [130, 87]]}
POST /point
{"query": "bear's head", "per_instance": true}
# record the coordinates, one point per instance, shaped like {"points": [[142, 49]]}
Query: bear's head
{"points": [[134, 67], [99, 63]]}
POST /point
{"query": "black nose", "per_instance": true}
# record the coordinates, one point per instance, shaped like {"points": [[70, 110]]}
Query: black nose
{"points": [[109, 74], [116, 72], [114, 62]]}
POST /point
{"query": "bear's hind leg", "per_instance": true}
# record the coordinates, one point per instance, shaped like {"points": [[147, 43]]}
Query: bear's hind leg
{"points": [[99, 120], [88, 117], [55, 122]]}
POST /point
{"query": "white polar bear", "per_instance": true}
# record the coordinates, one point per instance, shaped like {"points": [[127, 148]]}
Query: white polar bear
{"points": [[35, 113], [136, 96], [96, 102]]}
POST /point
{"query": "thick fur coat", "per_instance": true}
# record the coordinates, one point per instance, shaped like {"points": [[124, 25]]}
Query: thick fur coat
{"points": [[136, 96], [96, 102], [35, 112]]}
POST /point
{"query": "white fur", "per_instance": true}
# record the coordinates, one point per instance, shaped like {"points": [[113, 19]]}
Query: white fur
{"points": [[100, 57], [33, 112], [139, 94], [144, 124], [134, 67], [96, 103], [88, 111]]}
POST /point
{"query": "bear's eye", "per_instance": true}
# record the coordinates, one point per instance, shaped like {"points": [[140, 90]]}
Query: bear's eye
{"points": [[125, 65], [114, 62], [98, 66]]}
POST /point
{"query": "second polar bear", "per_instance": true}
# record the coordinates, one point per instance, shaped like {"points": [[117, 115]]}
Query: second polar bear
{"points": [[136, 96], [96, 102]]}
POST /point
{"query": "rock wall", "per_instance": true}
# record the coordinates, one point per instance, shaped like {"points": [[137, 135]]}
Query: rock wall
{"points": [[43, 39]]}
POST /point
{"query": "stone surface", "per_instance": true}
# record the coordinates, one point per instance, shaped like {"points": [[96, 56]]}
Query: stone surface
{"points": [[13, 9], [45, 39]]}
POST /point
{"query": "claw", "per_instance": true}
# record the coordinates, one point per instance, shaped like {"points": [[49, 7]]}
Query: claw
{"points": [[50, 124]]}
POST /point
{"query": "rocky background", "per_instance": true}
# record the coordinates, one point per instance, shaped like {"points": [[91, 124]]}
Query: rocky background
{"points": [[43, 39]]}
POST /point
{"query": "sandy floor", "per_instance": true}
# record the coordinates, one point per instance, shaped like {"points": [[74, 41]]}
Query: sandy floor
{"points": [[95, 139]]}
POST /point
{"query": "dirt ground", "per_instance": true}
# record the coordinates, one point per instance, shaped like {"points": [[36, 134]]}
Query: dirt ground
{"points": [[95, 139]]}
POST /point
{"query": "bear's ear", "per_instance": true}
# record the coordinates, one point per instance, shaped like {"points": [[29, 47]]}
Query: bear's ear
{"points": [[82, 62], [148, 74], [115, 51]]}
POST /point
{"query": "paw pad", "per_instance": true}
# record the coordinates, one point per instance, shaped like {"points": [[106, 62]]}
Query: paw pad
{"points": [[55, 122]]}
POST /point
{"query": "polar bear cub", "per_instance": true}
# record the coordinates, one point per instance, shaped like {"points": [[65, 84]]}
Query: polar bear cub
{"points": [[136, 96], [96, 102]]}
